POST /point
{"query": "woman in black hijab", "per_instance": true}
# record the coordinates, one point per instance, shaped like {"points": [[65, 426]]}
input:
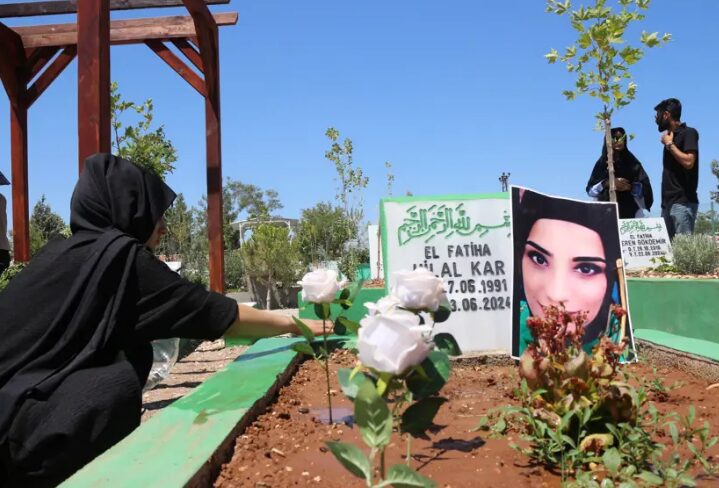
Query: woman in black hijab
{"points": [[76, 326], [632, 181]]}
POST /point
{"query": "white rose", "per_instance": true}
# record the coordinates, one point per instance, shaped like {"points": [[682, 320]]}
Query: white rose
{"points": [[384, 305], [391, 343], [320, 286], [418, 289]]}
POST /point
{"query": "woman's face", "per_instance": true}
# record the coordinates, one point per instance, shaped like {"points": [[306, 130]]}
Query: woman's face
{"points": [[159, 231], [619, 141], [564, 263]]}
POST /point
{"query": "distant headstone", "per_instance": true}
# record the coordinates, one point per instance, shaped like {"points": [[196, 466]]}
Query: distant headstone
{"points": [[644, 240], [466, 240]]}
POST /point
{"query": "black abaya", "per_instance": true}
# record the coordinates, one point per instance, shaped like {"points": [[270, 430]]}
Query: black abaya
{"points": [[626, 166], [77, 324]]}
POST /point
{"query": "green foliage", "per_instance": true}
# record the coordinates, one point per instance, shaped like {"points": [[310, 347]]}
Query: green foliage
{"points": [[179, 220], [663, 265], [715, 172], [601, 57], [138, 142], [706, 223], [323, 233], [270, 256], [234, 270], [695, 254], [351, 259], [10, 273], [45, 225]]}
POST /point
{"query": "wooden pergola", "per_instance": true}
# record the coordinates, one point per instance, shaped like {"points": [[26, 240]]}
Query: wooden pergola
{"points": [[32, 57]]}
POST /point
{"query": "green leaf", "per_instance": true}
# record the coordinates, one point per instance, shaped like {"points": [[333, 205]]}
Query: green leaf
{"points": [[372, 416], [552, 56], [345, 294], [304, 330], [692, 415], [650, 478], [350, 383], [612, 460], [437, 368], [419, 416], [352, 458], [354, 290], [402, 476], [348, 324], [322, 310], [674, 433], [441, 314], [303, 348], [447, 343]]}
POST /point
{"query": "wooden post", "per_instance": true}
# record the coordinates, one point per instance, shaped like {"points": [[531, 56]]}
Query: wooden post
{"points": [[93, 75], [215, 217], [20, 198]]}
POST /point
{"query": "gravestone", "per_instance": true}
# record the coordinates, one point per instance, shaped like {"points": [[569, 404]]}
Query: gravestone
{"points": [[466, 240], [644, 240]]}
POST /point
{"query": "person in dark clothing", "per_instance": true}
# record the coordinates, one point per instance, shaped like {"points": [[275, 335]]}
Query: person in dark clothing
{"points": [[77, 322], [634, 190], [680, 174]]}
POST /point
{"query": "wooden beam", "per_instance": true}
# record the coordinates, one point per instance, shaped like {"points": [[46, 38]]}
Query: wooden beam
{"points": [[207, 37], [93, 74], [20, 198], [207, 41], [133, 31], [190, 52], [48, 76], [176, 64], [31, 9], [38, 59], [12, 63]]}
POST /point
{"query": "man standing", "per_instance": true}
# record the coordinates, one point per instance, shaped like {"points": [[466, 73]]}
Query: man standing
{"points": [[4, 243], [680, 175]]}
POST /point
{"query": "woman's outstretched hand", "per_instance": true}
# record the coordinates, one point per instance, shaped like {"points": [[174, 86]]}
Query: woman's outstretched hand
{"points": [[316, 327]]}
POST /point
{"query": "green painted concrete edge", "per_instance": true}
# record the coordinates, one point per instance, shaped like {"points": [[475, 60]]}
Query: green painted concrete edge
{"points": [[356, 312], [171, 448], [684, 308], [695, 347]]}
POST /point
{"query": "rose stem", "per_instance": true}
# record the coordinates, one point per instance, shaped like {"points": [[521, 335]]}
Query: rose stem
{"points": [[327, 370]]}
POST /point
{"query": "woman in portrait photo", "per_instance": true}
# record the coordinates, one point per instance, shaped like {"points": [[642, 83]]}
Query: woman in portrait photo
{"points": [[566, 252]]}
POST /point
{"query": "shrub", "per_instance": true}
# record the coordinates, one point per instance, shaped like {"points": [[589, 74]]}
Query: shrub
{"points": [[695, 254], [10, 273], [234, 270]]}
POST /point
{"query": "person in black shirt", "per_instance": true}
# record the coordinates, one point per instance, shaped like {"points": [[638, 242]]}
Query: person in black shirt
{"points": [[77, 322], [680, 175], [634, 191]]}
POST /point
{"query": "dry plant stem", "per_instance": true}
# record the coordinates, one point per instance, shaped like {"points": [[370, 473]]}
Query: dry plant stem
{"points": [[327, 371]]}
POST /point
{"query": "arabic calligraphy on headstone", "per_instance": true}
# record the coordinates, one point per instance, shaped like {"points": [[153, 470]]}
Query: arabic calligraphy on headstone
{"points": [[442, 220]]}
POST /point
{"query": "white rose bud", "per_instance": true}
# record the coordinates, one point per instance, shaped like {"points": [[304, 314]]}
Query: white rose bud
{"points": [[391, 343], [418, 289], [320, 286]]}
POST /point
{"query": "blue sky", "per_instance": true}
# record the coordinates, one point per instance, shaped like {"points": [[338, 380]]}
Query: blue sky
{"points": [[452, 93]]}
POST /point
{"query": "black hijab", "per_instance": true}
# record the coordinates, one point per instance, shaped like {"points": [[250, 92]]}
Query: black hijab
{"points": [[626, 166], [601, 218], [114, 209]]}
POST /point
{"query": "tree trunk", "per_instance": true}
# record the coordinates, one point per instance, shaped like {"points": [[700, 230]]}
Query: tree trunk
{"points": [[268, 301], [610, 159]]}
